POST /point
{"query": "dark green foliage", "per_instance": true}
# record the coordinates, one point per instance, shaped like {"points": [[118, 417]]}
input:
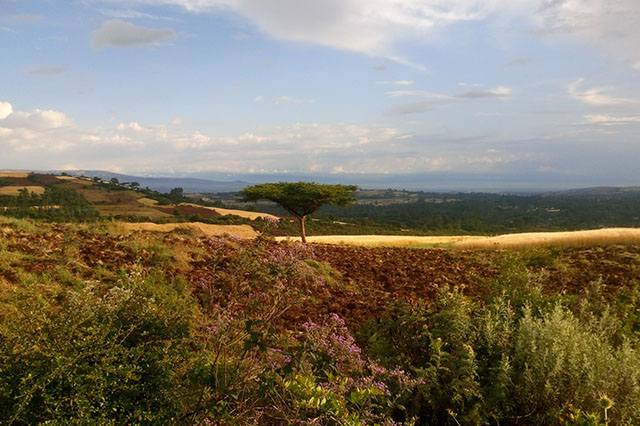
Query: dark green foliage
{"points": [[95, 356], [301, 198], [56, 203]]}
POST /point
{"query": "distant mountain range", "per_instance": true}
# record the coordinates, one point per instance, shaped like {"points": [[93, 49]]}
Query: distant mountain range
{"points": [[599, 191], [163, 184], [428, 182]]}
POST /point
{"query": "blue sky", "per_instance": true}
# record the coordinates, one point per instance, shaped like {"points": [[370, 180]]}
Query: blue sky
{"points": [[495, 87]]}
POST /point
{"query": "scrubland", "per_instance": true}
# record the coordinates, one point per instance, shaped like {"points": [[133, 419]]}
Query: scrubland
{"points": [[100, 325]]}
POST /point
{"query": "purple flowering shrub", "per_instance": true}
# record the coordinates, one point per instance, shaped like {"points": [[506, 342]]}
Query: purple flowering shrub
{"points": [[328, 381], [245, 295]]}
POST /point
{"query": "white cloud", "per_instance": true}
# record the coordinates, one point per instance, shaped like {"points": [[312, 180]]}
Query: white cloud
{"points": [[610, 24], [597, 95], [636, 66], [374, 27], [5, 109], [608, 120], [36, 120], [118, 33]]}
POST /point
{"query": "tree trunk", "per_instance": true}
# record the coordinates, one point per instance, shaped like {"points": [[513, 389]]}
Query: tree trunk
{"points": [[303, 235]]}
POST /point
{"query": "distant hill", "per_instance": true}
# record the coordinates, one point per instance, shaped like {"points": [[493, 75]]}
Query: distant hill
{"points": [[163, 184], [598, 191]]}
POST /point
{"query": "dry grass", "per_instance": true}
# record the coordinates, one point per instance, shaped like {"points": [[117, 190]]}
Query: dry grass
{"points": [[243, 231], [130, 209], [15, 190], [595, 237], [241, 213], [609, 236], [147, 201], [385, 240], [6, 173]]}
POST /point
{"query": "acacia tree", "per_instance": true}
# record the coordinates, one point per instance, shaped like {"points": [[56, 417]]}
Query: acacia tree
{"points": [[301, 198]]}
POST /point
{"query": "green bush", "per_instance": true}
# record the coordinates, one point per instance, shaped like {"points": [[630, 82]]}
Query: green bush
{"points": [[95, 356]]}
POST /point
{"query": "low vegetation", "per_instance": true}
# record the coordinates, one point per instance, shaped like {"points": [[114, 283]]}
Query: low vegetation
{"points": [[101, 327]]}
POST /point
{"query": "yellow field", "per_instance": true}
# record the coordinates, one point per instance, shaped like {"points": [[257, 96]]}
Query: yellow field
{"points": [[147, 201], [241, 213], [385, 240], [567, 239], [4, 173], [15, 190], [243, 231]]}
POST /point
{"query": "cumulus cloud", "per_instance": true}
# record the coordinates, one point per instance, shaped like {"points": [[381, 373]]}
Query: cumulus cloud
{"points": [[47, 70], [119, 33], [37, 119], [47, 139], [5, 109]]}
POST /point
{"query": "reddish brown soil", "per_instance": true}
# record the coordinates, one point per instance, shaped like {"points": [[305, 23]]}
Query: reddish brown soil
{"points": [[369, 277]]}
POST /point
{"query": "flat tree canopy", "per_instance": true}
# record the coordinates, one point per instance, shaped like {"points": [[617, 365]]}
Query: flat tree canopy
{"points": [[301, 198]]}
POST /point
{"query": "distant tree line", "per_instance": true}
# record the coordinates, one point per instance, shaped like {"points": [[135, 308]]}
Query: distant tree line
{"points": [[475, 213], [56, 203]]}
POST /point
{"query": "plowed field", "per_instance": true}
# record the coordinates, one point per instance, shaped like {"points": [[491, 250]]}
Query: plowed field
{"points": [[368, 277]]}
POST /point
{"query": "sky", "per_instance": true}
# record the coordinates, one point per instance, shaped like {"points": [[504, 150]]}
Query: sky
{"points": [[509, 88]]}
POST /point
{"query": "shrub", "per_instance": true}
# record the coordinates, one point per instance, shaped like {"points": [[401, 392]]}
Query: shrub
{"points": [[98, 355]]}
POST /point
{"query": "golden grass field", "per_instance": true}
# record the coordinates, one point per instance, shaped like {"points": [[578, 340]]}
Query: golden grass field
{"points": [[566, 239], [5, 173], [147, 201], [241, 213], [15, 190]]}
